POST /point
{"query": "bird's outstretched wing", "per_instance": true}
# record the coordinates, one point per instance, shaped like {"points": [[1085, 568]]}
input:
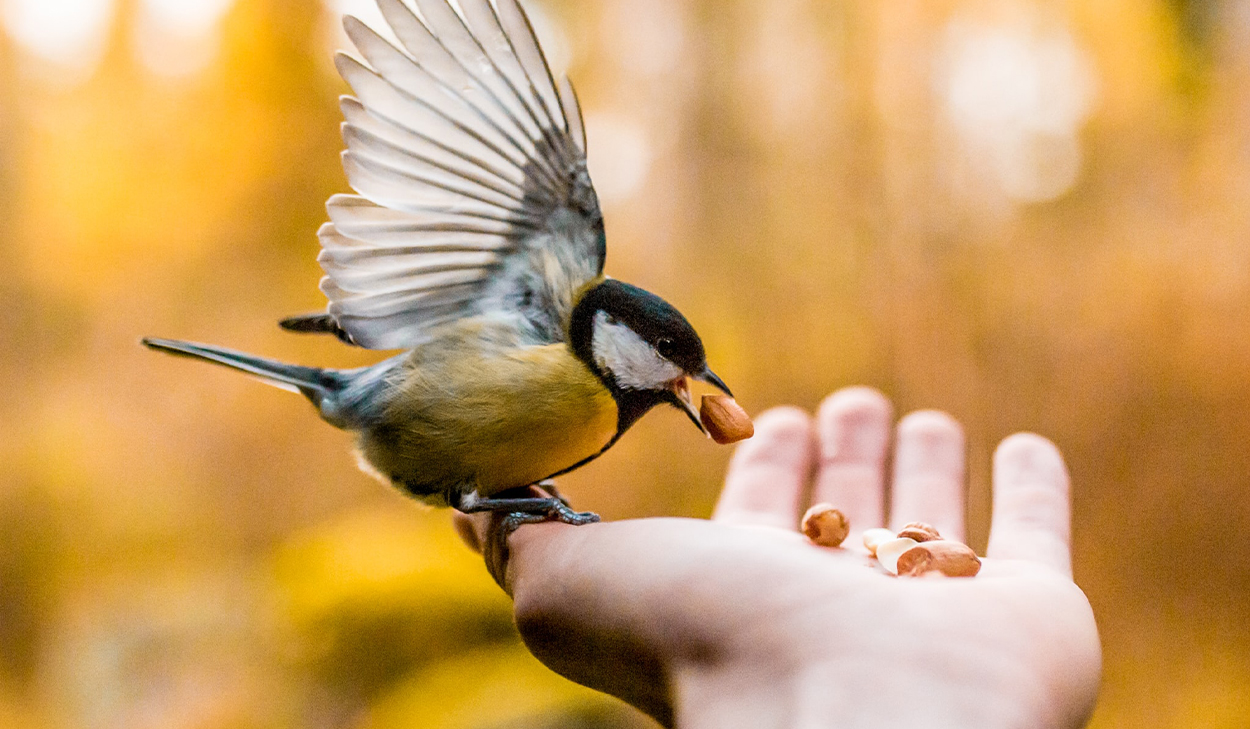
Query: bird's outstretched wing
{"points": [[470, 168]]}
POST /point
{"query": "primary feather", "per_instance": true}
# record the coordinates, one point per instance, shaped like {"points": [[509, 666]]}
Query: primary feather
{"points": [[470, 171]]}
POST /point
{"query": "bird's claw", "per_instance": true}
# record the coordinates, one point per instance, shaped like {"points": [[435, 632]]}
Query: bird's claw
{"points": [[562, 512], [559, 511]]}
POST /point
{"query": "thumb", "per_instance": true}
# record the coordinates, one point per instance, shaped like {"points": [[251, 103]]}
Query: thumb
{"points": [[581, 613], [577, 607], [491, 534], [487, 535]]}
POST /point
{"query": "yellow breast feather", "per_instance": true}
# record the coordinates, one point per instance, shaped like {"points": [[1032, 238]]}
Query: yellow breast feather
{"points": [[504, 418]]}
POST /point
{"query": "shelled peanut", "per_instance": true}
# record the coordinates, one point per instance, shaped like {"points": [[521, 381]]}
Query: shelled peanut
{"points": [[953, 559], [918, 549], [825, 525], [725, 419], [913, 551], [919, 531]]}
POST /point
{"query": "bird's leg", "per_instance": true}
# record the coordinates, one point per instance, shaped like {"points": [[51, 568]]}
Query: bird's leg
{"points": [[524, 510]]}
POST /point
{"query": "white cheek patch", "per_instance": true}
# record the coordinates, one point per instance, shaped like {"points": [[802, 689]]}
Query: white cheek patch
{"points": [[634, 363]]}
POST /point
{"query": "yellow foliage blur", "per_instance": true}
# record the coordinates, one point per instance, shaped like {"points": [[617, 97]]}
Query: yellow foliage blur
{"points": [[1033, 215]]}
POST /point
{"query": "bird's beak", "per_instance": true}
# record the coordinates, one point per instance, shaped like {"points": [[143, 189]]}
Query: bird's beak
{"points": [[680, 390], [708, 376]]}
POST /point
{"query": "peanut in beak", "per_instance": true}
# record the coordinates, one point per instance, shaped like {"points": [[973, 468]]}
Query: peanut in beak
{"points": [[724, 419]]}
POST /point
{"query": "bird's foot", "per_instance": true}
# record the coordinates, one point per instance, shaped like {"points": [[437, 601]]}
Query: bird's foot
{"points": [[511, 514], [526, 509], [514, 520], [561, 511], [557, 509]]}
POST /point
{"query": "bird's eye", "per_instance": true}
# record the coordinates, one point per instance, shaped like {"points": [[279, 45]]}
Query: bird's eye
{"points": [[666, 348]]}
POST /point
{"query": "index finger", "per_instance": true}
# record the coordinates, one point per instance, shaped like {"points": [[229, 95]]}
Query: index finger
{"points": [[1032, 512], [768, 474]]}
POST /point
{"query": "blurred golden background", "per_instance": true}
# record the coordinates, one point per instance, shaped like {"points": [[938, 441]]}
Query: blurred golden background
{"points": [[1035, 215]]}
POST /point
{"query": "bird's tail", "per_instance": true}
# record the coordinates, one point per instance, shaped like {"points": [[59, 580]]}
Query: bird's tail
{"points": [[315, 383]]}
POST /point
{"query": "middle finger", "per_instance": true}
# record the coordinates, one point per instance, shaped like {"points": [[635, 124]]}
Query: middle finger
{"points": [[854, 426], [929, 465]]}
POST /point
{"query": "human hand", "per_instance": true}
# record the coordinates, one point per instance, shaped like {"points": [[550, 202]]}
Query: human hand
{"points": [[741, 622]]}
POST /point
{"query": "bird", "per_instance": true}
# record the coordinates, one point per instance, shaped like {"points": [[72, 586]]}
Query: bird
{"points": [[474, 242]]}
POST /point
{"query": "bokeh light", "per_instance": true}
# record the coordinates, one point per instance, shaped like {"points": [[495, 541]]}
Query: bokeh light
{"points": [[1018, 91], [68, 34], [176, 37], [622, 157]]}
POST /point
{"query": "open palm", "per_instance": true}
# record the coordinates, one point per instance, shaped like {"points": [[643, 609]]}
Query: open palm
{"points": [[741, 622]]}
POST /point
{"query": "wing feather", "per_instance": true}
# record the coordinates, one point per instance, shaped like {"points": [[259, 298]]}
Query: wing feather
{"points": [[428, 282], [577, 124], [377, 155], [459, 159], [387, 186], [431, 52], [356, 215], [468, 162], [389, 102], [386, 304], [362, 269], [411, 78], [524, 43], [368, 143], [485, 25], [456, 38]]}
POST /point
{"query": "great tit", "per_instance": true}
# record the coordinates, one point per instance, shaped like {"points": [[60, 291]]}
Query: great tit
{"points": [[475, 242]]}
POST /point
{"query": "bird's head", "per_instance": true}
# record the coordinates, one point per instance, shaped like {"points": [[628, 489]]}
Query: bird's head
{"points": [[641, 347]]}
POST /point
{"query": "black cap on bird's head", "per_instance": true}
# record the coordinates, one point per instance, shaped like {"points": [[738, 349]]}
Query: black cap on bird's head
{"points": [[641, 347]]}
